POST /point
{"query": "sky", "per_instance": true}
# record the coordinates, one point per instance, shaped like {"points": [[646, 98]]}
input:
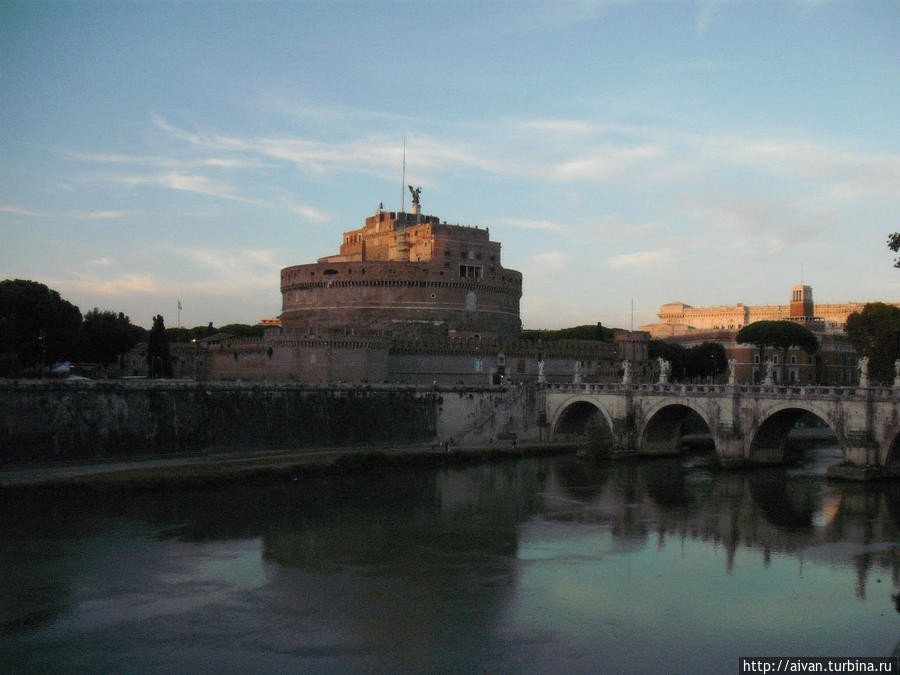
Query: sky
{"points": [[625, 154]]}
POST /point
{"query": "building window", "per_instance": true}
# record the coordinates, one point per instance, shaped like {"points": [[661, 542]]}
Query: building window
{"points": [[470, 271]]}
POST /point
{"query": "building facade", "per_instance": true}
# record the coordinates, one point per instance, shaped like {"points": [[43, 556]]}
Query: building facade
{"points": [[405, 275], [834, 363], [676, 318]]}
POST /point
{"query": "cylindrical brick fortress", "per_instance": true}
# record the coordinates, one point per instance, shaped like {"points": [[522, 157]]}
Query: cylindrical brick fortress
{"points": [[405, 275]]}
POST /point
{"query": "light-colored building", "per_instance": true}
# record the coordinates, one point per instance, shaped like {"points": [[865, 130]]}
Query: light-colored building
{"points": [[677, 318], [834, 363]]}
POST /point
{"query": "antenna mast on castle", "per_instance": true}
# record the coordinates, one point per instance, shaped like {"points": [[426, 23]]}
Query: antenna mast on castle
{"points": [[403, 179]]}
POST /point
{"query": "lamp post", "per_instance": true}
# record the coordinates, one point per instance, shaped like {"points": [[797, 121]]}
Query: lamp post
{"points": [[43, 341]]}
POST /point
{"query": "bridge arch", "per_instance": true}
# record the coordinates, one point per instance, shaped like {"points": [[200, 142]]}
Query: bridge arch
{"points": [[769, 437], [665, 425], [584, 419]]}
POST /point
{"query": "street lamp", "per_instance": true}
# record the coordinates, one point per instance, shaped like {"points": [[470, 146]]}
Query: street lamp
{"points": [[43, 351]]}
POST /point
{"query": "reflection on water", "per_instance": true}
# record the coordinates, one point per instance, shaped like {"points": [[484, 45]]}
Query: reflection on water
{"points": [[526, 566]]}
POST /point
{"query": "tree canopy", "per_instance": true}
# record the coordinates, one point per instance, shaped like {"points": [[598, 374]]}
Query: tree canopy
{"points": [[894, 245], [875, 333], [36, 326], [596, 332], [780, 335], [242, 330], [107, 335], [704, 360]]}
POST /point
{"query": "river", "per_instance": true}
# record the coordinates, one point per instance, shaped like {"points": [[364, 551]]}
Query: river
{"points": [[526, 566]]}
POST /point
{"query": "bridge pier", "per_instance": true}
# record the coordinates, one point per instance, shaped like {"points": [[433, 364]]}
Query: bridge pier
{"points": [[861, 451], [730, 445]]}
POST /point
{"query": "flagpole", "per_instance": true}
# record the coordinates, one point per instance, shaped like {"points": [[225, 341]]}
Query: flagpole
{"points": [[403, 179]]}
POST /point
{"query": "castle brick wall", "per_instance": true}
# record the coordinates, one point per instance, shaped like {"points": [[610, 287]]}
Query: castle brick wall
{"points": [[399, 298]]}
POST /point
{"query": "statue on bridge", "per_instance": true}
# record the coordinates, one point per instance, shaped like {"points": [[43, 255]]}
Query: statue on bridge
{"points": [[665, 370], [732, 372], [542, 379], [770, 373], [863, 367], [626, 372], [578, 372]]}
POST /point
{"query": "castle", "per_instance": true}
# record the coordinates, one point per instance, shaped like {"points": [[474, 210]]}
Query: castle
{"points": [[405, 275], [409, 298]]}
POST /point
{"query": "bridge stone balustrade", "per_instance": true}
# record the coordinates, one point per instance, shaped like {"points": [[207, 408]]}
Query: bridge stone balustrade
{"points": [[749, 424]]}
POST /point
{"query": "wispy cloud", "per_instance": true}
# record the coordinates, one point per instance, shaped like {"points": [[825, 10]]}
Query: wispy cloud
{"points": [[114, 285], [104, 215], [706, 15], [567, 127], [19, 211], [310, 214], [762, 220], [636, 259], [155, 161], [550, 261], [603, 164], [545, 225], [243, 273], [186, 182]]}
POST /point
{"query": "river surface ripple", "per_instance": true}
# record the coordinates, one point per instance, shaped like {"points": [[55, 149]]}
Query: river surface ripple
{"points": [[537, 565]]}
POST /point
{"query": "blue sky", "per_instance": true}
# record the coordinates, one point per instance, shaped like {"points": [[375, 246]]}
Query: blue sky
{"points": [[646, 152]]}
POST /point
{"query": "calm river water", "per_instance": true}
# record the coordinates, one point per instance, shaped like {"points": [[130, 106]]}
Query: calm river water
{"points": [[544, 565]]}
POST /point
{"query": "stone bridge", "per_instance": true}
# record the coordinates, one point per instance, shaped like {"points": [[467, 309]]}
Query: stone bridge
{"points": [[749, 424]]}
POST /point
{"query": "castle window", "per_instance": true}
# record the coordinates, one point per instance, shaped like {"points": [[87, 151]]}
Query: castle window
{"points": [[470, 271]]}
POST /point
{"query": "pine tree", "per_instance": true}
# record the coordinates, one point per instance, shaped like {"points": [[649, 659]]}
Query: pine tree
{"points": [[159, 361]]}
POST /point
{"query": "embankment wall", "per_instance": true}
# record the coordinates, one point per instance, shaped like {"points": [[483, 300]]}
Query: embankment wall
{"points": [[70, 421]]}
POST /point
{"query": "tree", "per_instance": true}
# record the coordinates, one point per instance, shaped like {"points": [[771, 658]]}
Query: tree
{"points": [[894, 245], [159, 361], [597, 332], [875, 333], [37, 327], [672, 352], [195, 333], [780, 335], [242, 330], [107, 335], [705, 360]]}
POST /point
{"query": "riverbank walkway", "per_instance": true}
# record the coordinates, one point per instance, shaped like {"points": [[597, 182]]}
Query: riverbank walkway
{"points": [[261, 466]]}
